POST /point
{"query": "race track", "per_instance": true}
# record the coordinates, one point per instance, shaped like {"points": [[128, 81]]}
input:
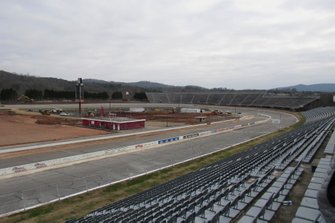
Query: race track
{"points": [[36, 188]]}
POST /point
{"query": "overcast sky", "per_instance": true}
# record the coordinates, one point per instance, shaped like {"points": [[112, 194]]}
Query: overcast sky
{"points": [[239, 44]]}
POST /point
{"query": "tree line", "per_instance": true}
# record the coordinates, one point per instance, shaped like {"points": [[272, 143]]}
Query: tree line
{"points": [[10, 94]]}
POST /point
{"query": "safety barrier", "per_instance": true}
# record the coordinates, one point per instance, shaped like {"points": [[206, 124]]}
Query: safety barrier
{"points": [[76, 159]]}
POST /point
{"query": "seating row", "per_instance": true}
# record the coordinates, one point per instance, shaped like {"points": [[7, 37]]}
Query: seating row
{"points": [[233, 99]]}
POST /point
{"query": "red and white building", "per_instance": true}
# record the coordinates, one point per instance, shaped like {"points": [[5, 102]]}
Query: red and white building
{"points": [[118, 123]]}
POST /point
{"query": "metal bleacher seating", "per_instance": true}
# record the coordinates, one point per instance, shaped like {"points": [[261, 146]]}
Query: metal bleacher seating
{"points": [[233, 99], [330, 148], [309, 210], [265, 207], [246, 187]]}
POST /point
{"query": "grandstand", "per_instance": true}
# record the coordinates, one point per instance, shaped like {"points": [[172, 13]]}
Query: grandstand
{"points": [[246, 187], [247, 99]]}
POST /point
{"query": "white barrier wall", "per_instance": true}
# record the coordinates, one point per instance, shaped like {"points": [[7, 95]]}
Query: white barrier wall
{"points": [[70, 160]]}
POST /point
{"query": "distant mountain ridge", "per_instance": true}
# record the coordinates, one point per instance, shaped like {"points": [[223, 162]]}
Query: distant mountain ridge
{"points": [[21, 83], [322, 87], [149, 84], [146, 85]]}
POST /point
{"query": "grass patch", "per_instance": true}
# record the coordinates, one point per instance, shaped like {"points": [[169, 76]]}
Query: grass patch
{"points": [[40, 211], [79, 206]]}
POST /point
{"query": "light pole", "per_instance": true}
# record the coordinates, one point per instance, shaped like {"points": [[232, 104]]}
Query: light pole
{"points": [[79, 85]]}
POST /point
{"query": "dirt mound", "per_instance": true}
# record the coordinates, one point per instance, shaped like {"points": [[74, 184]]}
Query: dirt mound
{"points": [[48, 121], [52, 120]]}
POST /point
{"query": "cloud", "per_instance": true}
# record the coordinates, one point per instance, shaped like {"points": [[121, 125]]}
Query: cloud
{"points": [[213, 43]]}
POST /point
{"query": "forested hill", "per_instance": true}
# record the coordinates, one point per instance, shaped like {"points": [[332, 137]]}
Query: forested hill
{"points": [[21, 83], [326, 87], [14, 85]]}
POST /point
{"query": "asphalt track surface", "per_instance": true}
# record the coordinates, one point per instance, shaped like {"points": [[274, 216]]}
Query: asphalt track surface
{"points": [[29, 190], [82, 148]]}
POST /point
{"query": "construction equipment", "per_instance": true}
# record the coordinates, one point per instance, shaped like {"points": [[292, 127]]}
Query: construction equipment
{"points": [[45, 112], [24, 99]]}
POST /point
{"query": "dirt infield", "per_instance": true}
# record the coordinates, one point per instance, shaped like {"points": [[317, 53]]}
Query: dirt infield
{"points": [[20, 129]]}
